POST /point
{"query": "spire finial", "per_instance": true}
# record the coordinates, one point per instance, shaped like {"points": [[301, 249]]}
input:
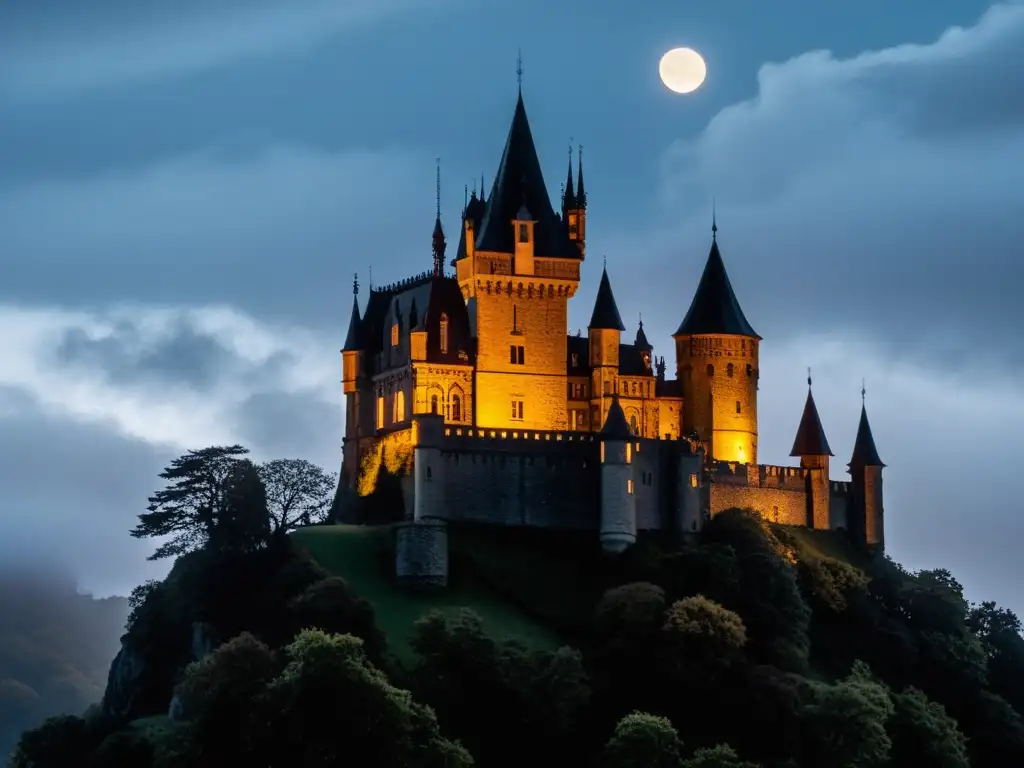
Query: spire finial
{"points": [[519, 69], [437, 184], [465, 196], [808, 377], [371, 277], [605, 261], [355, 284], [863, 391], [481, 185], [570, 150], [714, 219], [641, 319]]}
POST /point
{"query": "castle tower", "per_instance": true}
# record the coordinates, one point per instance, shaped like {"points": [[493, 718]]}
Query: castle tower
{"points": [[868, 524], [717, 363], [574, 205], [604, 332], [618, 497], [517, 276], [811, 446], [351, 374]]}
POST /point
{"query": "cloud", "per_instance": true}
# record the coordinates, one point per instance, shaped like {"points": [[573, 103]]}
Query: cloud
{"points": [[50, 52], [878, 193]]}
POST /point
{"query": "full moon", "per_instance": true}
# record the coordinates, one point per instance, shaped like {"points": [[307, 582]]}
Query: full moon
{"points": [[682, 70]]}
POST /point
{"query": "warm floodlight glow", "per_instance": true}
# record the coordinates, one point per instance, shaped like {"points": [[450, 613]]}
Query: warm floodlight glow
{"points": [[682, 70]]}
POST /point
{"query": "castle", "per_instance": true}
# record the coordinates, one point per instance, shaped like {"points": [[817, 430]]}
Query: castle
{"points": [[469, 391]]}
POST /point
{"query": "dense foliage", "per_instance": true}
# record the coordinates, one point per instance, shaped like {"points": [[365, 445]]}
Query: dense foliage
{"points": [[749, 648]]}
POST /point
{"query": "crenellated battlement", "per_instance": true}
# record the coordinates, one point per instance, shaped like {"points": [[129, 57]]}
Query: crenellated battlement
{"points": [[408, 282]]}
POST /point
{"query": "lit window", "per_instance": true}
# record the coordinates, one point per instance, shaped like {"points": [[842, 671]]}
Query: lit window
{"points": [[575, 357], [693, 481], [629, 486], [633, 427], [394, 335], [399, 406], [380, 413], [444, 334], [456, 408], [517, 410]]}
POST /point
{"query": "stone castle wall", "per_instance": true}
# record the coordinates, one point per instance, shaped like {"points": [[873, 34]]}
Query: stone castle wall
{"points": [[421, 553]]}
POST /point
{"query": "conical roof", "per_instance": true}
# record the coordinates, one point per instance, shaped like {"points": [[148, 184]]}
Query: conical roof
{"points": [[864, 452], [715, 308], [810, 435], [519, 181], [354, 337], [606, 312], [616, 426], [641, 341], [569, 197]]}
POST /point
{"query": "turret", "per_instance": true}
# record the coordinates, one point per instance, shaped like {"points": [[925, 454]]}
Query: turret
{"points": [[574, 205], [717, 363], [644, 346], [868, 523], [604, 331], [811, 446], [351, 373], [618, 497]]}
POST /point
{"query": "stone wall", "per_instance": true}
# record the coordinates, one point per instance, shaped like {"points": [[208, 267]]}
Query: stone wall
{"points": [[421, 553]]}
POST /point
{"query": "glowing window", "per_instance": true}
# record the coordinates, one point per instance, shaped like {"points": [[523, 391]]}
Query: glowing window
{"points": [[444, 334], [629, 486], [693, 481], [394, 335], [399, 406], [380, 413], [633, 427]]}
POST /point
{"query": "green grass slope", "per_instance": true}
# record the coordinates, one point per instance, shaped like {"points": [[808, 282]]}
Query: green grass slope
{"points": [[364, 557]]}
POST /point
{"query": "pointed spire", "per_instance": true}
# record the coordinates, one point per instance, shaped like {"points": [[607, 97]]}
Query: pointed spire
{"points": [[606, 313], [355, 323], [520, 179], [581, 194], [714, 221], [438, 236], [615, 424], [810, 435], [568, 194], [865, 454], [714, 308], [519, 70], [482, 187], [641, 341]]}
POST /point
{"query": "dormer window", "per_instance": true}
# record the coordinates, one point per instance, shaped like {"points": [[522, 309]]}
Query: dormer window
{"points": [[444, 334], [524, 233]]}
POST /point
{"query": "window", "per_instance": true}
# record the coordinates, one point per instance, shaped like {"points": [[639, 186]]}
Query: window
{"points": [[444, 334], [394, 335], [711, 370], [524, 233], [456, 408], [433, 404], [739, 407], [693, 481], [629, 486], [380, 412], [730, 369], [517, 355], [575, 358], [399, 406], [750, 370], [633, 428], [517, 410]]}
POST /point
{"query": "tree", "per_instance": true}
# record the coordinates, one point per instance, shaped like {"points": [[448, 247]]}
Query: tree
{"points": [[722, 756], [701, 630], [189, 508], [642, 740], [923, 734], [245, 524], [845, 722], [298, 493]]}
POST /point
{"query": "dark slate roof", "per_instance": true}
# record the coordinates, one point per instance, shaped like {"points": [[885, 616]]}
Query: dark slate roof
{"points": [[616, 426], [606, 313], [476, 208], [864, 452], [569, 196], [631, 361], [715, 308], [519, 182], [641, 338], [810, 435], [354, 338]]}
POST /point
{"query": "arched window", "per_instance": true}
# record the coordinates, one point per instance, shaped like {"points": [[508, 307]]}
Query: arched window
{"points": [[739, 407], [399, 406], [444, 334], [633, 425], [730, 370], [711, 370], [433, 404], [456, 408]]}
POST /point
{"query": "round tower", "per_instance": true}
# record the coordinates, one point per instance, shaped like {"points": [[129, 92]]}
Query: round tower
{"points": [[618, 497], [868, 523], [717, 363], [811, 446]]}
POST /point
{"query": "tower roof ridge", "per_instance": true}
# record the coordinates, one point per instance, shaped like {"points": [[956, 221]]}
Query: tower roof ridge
{"points": [[714, 308], [606, 313]]}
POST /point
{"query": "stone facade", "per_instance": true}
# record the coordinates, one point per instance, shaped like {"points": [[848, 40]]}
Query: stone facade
{"points": [[469, 388]]}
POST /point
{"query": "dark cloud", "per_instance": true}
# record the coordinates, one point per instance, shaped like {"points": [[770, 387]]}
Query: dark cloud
{"points": [[288, 425]]}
